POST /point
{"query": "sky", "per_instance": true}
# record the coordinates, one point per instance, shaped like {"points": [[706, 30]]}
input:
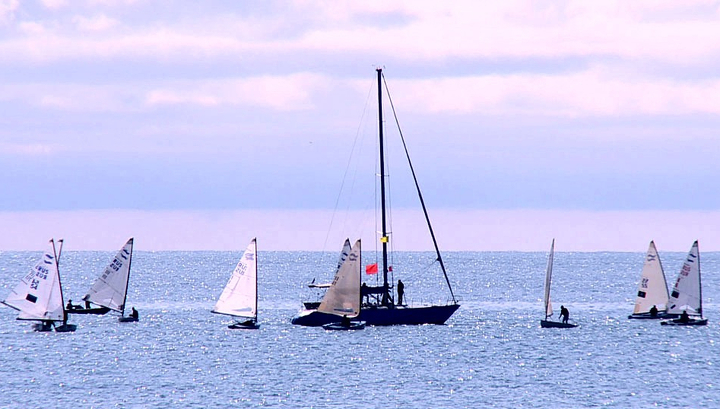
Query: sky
{"points": [[198, 126]]}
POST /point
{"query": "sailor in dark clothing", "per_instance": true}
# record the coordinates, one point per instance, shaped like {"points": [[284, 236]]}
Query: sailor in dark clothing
{"points": [[134, 313], [345, 321], [684, 317], [564, 314], [653, 311], [400, 291]]}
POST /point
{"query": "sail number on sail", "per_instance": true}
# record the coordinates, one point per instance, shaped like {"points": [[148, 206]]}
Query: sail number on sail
{"points": [[40, 273]]}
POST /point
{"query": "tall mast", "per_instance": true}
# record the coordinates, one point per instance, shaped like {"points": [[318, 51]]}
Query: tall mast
{"points": [[127, 282], [699, 281], [256, 278], [57, 267], [384, 239]]}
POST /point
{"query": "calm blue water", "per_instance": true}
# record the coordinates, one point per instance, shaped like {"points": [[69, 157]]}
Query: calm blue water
{"points": [[491, 352]]}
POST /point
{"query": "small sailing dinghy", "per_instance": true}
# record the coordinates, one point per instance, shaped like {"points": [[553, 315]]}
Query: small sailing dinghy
{"points": [[239, 298], [342, 298], [686, 297], [652, 294], [39, 296], [546, 323], [110, 288]]}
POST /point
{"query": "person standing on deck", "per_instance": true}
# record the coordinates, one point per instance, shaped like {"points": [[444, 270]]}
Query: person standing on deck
{"points": [[564, 314], [401, 292]]}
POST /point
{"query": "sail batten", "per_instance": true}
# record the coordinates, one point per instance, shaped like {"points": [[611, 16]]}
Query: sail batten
{"points": [[110, 288], [239, 297]]}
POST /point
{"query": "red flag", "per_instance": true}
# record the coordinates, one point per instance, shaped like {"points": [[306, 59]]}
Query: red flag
{"points": [[371, 269], [390, 269]]}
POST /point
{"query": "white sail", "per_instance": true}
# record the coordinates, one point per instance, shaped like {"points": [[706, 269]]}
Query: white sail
{"points": [[343, 296], [39, 296], [110, 289], [652, 288], [548, 277], [343, 254], [239, 298], [686, 294]]}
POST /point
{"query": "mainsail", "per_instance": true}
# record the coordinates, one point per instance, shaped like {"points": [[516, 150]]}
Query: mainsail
{"points": [[548, 276], [39, 295], [239, 298], [686, 294], [652, 288], [343, 296], [110, 289]]}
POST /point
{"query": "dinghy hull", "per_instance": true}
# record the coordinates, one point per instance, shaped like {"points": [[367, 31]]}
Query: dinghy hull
{"points": [[66, 328], [648, 316], [94, 311], [691, 322], [556, 324], [240, 325], [336, 326], [434, 314], [128, 319]]}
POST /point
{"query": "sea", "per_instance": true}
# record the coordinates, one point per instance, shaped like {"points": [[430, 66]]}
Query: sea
{"points": [[491, 353]]}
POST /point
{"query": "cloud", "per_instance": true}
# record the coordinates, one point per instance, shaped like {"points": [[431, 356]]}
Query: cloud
{"points": [[589, 93], [675, 32], [491, 230], [7, 10], [54, 4], [595, 92], [284, 93], [96, 23], [32, 149]]}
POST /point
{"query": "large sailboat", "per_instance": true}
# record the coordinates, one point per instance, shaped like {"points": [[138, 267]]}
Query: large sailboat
{"points": [[548, 309], [686, 297], [110, 289], [239, 298], [381, 308], [342, 298], [652, 293], [39, 296]]}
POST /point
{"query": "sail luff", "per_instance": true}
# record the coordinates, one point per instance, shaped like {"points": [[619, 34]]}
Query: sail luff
{"points": [[700, 309], [548, 278], [127, 278], [57, 267], [254, 242]]}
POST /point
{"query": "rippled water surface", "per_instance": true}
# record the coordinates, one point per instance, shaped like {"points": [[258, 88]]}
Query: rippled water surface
{"points": [[491, 352]]}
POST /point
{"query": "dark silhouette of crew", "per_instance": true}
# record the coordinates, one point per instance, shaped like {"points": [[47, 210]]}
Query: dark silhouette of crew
{"points": [[564, 314], [684, 317], [653, 311], [401, 292], [134, 313]]}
